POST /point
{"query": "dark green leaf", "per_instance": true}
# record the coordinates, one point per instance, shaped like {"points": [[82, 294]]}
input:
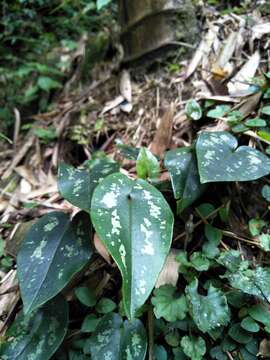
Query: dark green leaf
{"points": [[219, 159], [105, 306], [117, 341], [252, 347], [238, 334], [90, 323], [204, 210], [178, 354], [260, 313], [133, 341], [53, 251], [167, 305], [208, 312], [129, 152], [172, 338], [38, 335], [135, 223], [246, 355], [160, 353], [228, 344], [236, 298], [86, 296], [105, 341], [218, 354], [250, 325], [214, 236], [77, 185], [76, 355], [182, 166]]}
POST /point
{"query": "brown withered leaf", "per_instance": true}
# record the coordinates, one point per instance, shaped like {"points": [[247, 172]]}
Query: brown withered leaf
{"points": [[101, 249], [163, 134], [169, 274], [125, 86], [264, 349], [9, 297], [249, 104]]}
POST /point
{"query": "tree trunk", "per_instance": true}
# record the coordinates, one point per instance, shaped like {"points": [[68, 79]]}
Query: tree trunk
{"points": [[156, 26]]}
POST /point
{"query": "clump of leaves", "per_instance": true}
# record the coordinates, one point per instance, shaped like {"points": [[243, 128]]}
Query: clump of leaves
{"points": [[220, 303], [34, 36]]}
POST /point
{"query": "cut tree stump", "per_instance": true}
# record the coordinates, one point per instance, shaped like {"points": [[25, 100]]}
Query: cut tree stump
{"points": [[156, 26]]}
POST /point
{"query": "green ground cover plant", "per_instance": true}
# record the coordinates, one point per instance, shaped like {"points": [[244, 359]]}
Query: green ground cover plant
{"points": [[37, 40], [220, 303]]}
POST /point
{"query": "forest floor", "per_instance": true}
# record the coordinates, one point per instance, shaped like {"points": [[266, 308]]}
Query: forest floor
{"points": [[228, 74]]}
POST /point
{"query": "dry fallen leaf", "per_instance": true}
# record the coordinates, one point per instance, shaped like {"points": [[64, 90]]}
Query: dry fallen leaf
{"points": [[110, 105], [9, 296], [125, 86], [260, 29], [169, 274], [16, 237], [203, 50], [227, 50], [101, 249], [163, 134], [264, 349], [240, 83], [249, 104]]}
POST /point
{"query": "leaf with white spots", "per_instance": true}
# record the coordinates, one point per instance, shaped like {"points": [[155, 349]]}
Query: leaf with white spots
{"points": [[38, 335], [193, 347], [105, 341], [133, 341], [253, 282], [115, 340], [208, 312], [53, 251], [182, 166], [134, 222], [219, 159], [193, 110], [77, 185]]}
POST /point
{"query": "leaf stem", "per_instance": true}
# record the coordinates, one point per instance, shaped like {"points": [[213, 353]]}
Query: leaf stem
{"points": [[184, 233]]}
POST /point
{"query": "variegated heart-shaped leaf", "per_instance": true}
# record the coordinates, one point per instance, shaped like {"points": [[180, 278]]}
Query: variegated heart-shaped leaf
{"points": [[219, 159], [134, 222], [37, 335], [53, 251]]}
